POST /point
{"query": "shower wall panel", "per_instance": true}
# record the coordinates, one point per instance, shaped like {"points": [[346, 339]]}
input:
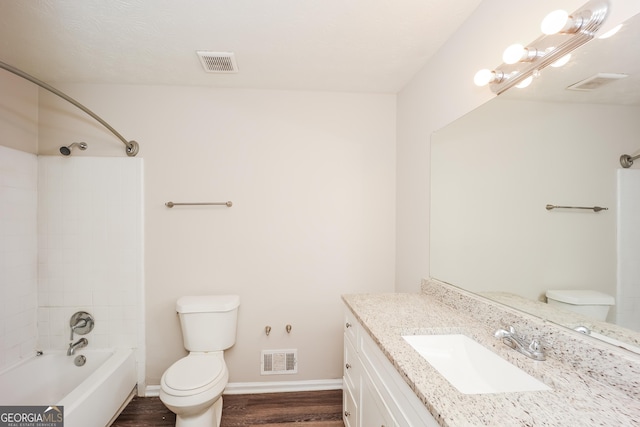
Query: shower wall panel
{"points": [[18, 255], [90, 249], [628, 295]]}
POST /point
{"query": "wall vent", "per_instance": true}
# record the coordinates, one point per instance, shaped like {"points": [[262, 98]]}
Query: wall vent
{"points": [[276, 362], [596, 81], [218, 62]]}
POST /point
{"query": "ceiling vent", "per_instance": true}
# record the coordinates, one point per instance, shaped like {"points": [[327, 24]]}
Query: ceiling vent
{"points": [[218, 62], [596, 81]]}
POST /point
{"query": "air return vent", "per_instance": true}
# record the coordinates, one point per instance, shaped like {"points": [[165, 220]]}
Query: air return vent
{"points": [[279, 362], [218, 62], [596, 81]]}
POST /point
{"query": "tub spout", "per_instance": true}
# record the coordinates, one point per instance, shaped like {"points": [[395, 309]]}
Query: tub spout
{"points": [[81, 343]]}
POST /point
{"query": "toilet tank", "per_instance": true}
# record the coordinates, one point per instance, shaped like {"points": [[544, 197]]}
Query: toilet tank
{"points": [[589, 303], [208, 322]]}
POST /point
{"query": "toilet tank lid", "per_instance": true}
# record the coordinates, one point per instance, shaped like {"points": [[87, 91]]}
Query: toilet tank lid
{"points": [[207, 303], [581, 297]]}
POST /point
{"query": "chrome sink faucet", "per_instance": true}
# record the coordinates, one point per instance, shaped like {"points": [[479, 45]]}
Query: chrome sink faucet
{"points": [[81, 343], [519, 343]]}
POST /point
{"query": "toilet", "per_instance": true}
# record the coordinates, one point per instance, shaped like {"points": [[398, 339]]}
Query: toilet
{"points": [[192, 387], [593, 304]]}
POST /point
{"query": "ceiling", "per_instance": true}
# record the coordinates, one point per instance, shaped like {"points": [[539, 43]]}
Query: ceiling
{"points": [[334, 45]]}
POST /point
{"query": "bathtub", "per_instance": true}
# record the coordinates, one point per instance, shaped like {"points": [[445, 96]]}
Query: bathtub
{"points": [[91, 394]]}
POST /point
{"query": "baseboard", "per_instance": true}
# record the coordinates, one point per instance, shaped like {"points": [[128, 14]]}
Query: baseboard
{"points": [[282, 386], [152, 391], [267, 387]]}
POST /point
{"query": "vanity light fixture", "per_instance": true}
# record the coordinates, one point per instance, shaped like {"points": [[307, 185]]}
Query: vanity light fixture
{"points": [[562, 61], [559, 21], [484, 77], [526, 82], [562, 33], [518, 53]]}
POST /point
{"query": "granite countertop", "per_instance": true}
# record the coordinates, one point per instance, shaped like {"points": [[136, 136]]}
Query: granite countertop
{"points": [[566, 318], [576, 398]]}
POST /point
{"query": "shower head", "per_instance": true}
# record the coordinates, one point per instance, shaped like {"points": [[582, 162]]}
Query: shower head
{"points": [[65, 151]]}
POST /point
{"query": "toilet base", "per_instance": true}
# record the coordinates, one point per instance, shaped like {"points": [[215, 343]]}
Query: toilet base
{"points": [[209, 418]]}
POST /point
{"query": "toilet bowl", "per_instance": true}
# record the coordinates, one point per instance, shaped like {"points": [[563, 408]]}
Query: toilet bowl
{"points": [[192, 387], [589, 303]]}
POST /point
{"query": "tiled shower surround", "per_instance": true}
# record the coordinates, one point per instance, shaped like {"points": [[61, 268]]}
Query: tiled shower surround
{"points": [[18, 255], [89, 248], [89, 255]]}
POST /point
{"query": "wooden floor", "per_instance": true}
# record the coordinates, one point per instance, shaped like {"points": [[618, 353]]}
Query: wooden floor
{"points": [[305, 409]]}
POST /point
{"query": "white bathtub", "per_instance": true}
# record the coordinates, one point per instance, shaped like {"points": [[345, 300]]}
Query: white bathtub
{"points": [[91, 394]]}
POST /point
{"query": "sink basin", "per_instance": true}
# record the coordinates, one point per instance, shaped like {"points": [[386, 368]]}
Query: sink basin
{"points": [[470, 367]]}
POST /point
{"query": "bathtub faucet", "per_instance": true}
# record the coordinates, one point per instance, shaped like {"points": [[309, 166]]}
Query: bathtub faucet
{"points": [[81, 343]]}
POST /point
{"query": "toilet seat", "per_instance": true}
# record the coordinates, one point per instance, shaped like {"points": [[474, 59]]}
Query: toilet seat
{"points": [[194, 374]]}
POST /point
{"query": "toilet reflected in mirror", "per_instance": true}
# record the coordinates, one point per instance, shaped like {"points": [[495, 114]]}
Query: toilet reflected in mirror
{"points": [[589, 303]]}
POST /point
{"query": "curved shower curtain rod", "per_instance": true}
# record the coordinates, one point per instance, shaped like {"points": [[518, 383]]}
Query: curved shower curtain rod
{"points": [[132, 147]]}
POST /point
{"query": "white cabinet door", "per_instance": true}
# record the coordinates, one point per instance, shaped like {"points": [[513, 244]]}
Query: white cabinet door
{"points": [[349, 409], [373, 411], [351, 368], [351, 383], [374, 392]]}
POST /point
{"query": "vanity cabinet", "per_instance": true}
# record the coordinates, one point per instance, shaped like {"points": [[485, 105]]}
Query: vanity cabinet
{"points": [[374, 393]]}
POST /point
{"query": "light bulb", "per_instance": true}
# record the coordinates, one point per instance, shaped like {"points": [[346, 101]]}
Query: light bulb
{"points": [[554, 22], [526, 82], [611, 32], [483, 77], [513, 53], [562, 61]]}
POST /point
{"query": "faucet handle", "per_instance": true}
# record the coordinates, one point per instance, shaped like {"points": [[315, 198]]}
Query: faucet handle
{"points": [[536, 350], [534, 346], [513, 332], [81, 323]]}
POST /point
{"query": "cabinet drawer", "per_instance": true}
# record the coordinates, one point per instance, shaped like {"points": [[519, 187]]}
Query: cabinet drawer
{"points": [[351, 368], [350, 326], [374, 411], [349, 409]]}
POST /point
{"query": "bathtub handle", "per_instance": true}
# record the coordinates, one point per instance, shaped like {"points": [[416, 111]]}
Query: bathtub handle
{"points": [[81, 323]]}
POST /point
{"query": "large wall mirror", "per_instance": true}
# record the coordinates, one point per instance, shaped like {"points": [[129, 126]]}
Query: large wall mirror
{"points": [[496, 169]]}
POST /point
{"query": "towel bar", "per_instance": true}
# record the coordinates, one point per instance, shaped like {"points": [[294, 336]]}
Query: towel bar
{"points": [[172, 204], [593, 208]]}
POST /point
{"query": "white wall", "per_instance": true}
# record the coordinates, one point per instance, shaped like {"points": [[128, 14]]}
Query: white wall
{"points": [[443, 91], [312, 181]]}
